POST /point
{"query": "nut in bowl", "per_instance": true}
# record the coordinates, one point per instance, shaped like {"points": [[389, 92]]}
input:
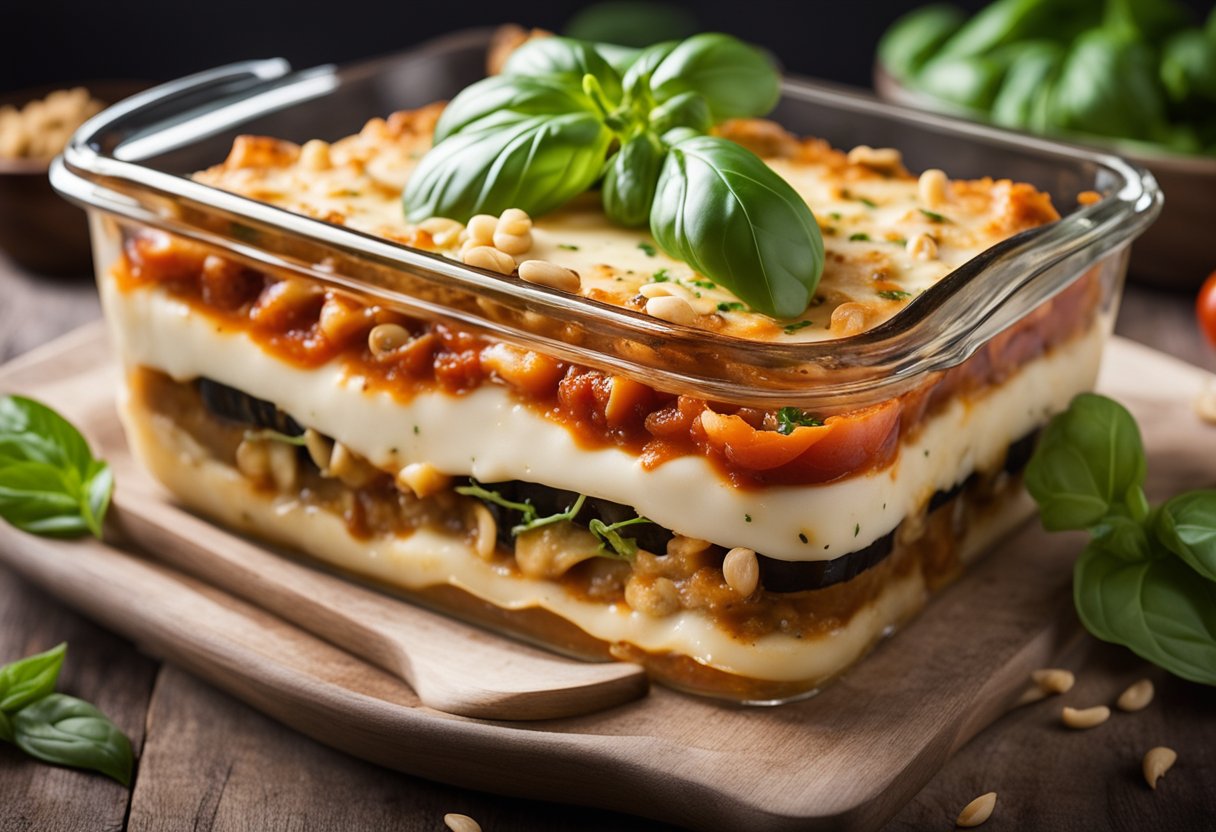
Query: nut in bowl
{"points": [[615, 420], [38, 229]]}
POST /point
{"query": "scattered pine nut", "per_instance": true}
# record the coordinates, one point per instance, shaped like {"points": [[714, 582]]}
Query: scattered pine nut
{"points": [[544, 273], [931, 187], [656, 598], [314, 155], [384, 338], [481, 229], [461, 823], [672, 309], [1054, 680], [849, 318], [423, 479], [512, 243], [443, 231], [490, 259], [741, 569], [922, 247], [1157, 762], [977, 811], [1086, 717], [1137, 697], [514, 221], [881, 159]]}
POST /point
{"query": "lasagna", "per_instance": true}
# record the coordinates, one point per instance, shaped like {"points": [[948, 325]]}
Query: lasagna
{"points": [[739, 551]]}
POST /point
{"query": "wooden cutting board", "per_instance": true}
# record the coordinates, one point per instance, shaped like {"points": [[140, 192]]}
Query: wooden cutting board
{"points": [[848, 758]]}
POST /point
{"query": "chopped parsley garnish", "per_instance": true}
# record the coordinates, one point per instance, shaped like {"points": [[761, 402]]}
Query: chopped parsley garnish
{"points": [[567, 247], [869, 203], [933, 215], [661, 276], [789, 418], [612, 544], [704, 284], [860, 236], [747, 518], [894, 294], [899, 241], [731, 306], [835, 215], [650, 250], [856, 529], [790, 329]]}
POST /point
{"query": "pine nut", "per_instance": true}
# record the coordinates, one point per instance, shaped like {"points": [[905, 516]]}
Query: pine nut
{"points": [[1085, 717], [1054, 680], [353, 470], [284, 465], [340, 319], [385, 338], [514, 221], [849, 318], [253, 459], [741, 569], [512, 243], [672, 309], [320, 449], [681, 546], [481, 229], [487, 532], [977, 811], [314, 155], [881, 159], [443, 231], [1137, 697], [490, 259], [544, 273], [1156, 763], [931, 187], [657, 598], [922, 247], [655, 290], [423, 478], [461, 823]]}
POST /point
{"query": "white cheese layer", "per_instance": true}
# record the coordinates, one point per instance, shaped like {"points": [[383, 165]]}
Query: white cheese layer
{"points": [[427, 558], [490, 435]]}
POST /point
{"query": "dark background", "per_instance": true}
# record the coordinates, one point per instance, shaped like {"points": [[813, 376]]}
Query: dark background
{"points": [[71, 40]]}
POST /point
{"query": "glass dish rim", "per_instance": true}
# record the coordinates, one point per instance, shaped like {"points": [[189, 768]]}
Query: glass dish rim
{"points": [[937, 330]]}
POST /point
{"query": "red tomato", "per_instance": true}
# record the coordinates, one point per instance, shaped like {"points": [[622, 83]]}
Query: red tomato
{"points": [[1205, 309]]}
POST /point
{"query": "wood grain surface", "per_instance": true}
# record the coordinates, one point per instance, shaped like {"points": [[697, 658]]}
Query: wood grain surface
{"points": [[209, 762]]}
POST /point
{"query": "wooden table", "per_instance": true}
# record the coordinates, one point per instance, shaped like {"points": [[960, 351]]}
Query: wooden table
{"points": [[208, 762]]}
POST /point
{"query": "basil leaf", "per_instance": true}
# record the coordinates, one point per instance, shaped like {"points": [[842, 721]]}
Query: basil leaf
{"points": [[1108, 86], [50, 483], [566, 61], [1155, 607], [33, 432], [688, 109], [69, 731], [630, 22], [1009, 21], [1147, 20], [6, 728], [1023, 97], [619, 58], [736, 79], [510, 93], [30, 679], [1186, 526], [726, 214], [913, 38], [535, 163], [1088, 463], [631, 179], [1188, 67]]}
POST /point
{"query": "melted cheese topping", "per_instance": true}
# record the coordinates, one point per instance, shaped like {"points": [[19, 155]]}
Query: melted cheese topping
{"points": [[491, 436], [867, 217]]}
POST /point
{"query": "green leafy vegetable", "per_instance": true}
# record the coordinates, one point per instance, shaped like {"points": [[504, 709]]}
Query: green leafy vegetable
{"points": [[69, 731], [894, 294], [612, 543], [1108, 86], [50, 484], [30, 679], [633, 175], [724, 212], [934, 216], [1147, 579], [1188, 68], [789, 418], [912, 39], [541, 133], [57, 728], [631, 23], [509, 161], [1024, 96]]}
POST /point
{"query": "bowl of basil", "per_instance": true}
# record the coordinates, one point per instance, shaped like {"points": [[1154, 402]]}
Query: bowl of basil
{"points": [[1135, 77]]}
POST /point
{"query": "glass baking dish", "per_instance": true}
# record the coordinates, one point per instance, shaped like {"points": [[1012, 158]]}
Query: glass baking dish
{"points": [[129, 167]]}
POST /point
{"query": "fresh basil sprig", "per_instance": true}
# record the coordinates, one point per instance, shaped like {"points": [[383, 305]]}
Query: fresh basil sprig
{"points": [[1147, 578], [561, 117], [56, 728], [50, 483]]}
